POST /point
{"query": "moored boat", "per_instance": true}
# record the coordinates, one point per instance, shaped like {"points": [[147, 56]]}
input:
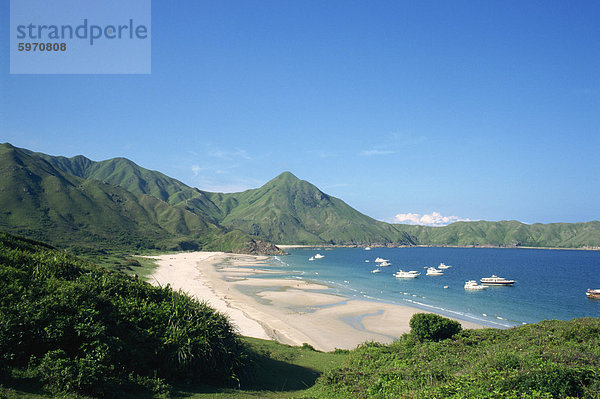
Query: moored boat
{"points": [[593, 294], [375, 271], [443, 266], [472, 285], [386, 263], [319, 256], [432, 271], [403, 274], [381, 260], [495, 280]]}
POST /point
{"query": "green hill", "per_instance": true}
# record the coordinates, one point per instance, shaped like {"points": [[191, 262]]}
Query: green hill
{"points": [[508, 234], [40, 201], [138, 180], [119, 172], [285, 210]]}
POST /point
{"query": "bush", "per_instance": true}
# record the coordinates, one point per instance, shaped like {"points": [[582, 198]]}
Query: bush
{"points": [[433, 327], [98, 332]]}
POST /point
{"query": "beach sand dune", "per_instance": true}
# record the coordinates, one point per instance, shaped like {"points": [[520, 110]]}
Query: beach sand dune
{"points": [[287, 310]]}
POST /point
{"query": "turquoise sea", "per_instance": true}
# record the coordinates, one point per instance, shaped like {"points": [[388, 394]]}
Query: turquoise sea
{"points": [[551, 284]]}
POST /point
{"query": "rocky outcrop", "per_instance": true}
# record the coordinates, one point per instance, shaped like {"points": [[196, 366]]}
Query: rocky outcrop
{"points": [[258, 247]]}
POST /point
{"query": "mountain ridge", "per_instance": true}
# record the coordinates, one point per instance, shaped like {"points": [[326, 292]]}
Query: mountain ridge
{"points": [[40, 201], [288, 210]]}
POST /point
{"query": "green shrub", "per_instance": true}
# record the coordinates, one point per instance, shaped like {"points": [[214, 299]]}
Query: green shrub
{"points": [[433, 327], [543, 360], [95, 331], [558, 380]]}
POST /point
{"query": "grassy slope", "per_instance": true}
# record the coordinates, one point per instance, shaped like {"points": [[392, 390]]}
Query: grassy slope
{"points": [[508, 233], [291, 211], [42, 202], [132, 177], [551, 359]]}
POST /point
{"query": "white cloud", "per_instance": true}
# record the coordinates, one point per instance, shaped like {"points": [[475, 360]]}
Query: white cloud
{"points": [[230, 155], [376, 152], [433, 219], [196, 169]]}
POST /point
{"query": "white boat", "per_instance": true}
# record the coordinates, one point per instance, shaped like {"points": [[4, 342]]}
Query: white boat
{"points": [[367, 248], [367, 260], [381, 260], [384, 264], [495, 280], [403, 274], [443, 266], [472, 285], [432, 271], [593, 294], [375, 271], [319, 256], [311, 258]]}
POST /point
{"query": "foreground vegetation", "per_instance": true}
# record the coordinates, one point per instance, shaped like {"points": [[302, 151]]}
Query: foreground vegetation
{"points": [[72, 329], [81, 328], [551, 359]]}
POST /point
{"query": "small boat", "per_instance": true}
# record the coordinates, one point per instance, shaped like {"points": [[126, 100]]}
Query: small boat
{"points": [[367, 260], [367, 248], [319, 256], [472, 285], [311, 258], [375, 271], [593, 294], [403, 274], [384, 264], [495, 280], [443, 266], [432, 271], [381, 260]]}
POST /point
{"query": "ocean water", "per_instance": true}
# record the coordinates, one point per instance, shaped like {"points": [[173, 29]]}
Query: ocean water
{"points": [[551, 284]]}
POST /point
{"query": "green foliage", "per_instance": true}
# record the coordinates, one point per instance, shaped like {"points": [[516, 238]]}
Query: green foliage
{"points": [[433, 327], [89, 330], [551, 359]]}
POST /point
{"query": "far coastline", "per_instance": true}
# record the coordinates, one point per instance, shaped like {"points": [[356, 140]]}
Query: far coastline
{"points": [[286, 246]]}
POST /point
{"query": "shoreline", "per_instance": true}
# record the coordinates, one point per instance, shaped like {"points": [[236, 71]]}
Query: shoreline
{"points": [[286, 246], [289, 311]]}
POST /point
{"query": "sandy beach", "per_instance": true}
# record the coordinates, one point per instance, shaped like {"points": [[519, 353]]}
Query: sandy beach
{"points": [[287, 310]]}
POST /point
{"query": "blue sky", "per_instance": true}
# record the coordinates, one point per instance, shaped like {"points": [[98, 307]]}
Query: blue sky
{"points": [[474, 109]]}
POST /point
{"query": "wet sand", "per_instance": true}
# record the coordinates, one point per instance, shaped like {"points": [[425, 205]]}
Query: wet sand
{"points": [[290, 311]]}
